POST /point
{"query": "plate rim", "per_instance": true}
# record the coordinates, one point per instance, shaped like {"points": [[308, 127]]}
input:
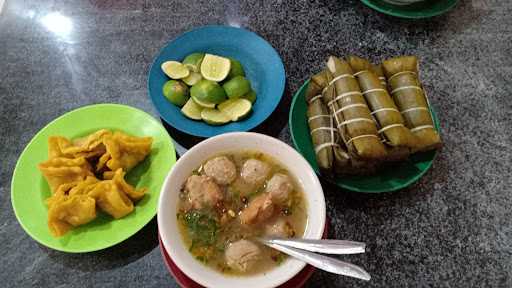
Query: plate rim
{"points": [[337, 181], [401, 14], [33, 139], [282, 83]]}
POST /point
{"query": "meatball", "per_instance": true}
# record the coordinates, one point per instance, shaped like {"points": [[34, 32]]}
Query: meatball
{"points": [[221, 169], [242, 255], [279, 228], [279, 187], [255, 172], [203, 191], [259, 209]]}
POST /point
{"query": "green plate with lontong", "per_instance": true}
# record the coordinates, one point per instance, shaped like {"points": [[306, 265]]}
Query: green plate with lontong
{"points": [[422, 9], [29, 189], [386, 180]]}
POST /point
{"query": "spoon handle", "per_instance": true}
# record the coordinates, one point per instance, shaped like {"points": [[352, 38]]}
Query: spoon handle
{"points": [[326, 246], [323, 262]]}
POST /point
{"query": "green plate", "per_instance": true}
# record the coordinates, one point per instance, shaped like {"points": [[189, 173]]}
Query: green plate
{"points": [[29, 189], [425, 9], [401, 176]]}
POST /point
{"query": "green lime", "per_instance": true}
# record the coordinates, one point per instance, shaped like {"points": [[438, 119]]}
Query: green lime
{"points": [[215, 68], [236, 69], [214, 116], [193, 61], [208, 91], [237, 87], [251, 96], [175, 70], [192, 79], [236, 108], [176, 92], [203, 104], [192, 110]]}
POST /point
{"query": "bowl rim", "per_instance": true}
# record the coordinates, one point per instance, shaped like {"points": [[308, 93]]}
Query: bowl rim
{"points": [[312, 180], [265, 114]]}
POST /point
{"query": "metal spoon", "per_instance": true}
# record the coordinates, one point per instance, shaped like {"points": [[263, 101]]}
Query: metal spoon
{"points": [[326, 246], [322, 262]]}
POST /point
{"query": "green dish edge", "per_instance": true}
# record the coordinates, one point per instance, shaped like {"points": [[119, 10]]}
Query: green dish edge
{"points": [[413, 11]]}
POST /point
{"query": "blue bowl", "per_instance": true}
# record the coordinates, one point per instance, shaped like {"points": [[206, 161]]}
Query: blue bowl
{"points": [[262, 65]]}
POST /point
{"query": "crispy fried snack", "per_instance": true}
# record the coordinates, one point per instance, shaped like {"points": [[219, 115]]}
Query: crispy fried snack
{"points": [[76, 190]]}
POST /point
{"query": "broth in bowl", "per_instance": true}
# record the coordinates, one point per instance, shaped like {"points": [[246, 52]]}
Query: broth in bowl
{"points": [[233, 198]]}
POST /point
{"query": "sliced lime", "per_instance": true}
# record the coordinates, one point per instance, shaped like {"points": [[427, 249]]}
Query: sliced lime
{"points": [[208, 91], [192, 110], [251, 96], [236, 69], [176, 92], [215, 68], [214, 116], [193, 78], [193, 61], [237, 87], [175, 70], [203, 104], [236, 108]]}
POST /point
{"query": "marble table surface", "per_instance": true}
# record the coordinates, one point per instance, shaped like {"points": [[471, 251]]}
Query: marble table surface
{"points": [[451, 229]]}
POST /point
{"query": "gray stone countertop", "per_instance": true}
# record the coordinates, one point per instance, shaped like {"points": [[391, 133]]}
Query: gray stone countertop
{"points": [[451, 229]]}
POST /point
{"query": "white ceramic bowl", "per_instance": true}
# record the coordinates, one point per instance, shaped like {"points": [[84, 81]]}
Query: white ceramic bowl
{"points": [[167, 224]]}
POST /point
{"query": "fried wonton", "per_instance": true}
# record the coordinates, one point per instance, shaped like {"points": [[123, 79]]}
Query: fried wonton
{"points": [[111, 199], [68, 211], [126, 151], [129, 190], [58, 171], [76, 192], [87, 147]]}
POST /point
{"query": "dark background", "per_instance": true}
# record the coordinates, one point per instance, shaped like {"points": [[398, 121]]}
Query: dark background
{"points": [[451, 229]]}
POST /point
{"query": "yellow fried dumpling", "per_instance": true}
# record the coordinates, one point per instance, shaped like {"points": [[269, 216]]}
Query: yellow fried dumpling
{"points": [[88, 147], [126, 151], [84, 187], [58, 171], [102, 161], [111, 199], [55, 146], [129, 190], [68, 211]]}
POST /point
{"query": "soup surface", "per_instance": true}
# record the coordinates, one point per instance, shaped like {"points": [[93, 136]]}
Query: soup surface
{"points": [[233, 198]]}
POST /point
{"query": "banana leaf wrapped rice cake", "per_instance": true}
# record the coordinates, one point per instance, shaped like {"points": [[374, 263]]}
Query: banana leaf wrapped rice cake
{"points": [[330, 156], [396, 136], [409, 96], [357, 125], [358, 129], [358, 165]]}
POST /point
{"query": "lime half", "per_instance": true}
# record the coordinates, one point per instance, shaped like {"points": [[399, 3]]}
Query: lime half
{"points": [[236, 109], [214, 116], [193, 78], [175, 70], [193, 61], [192, 110], [202, 103], [215, 68]]}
